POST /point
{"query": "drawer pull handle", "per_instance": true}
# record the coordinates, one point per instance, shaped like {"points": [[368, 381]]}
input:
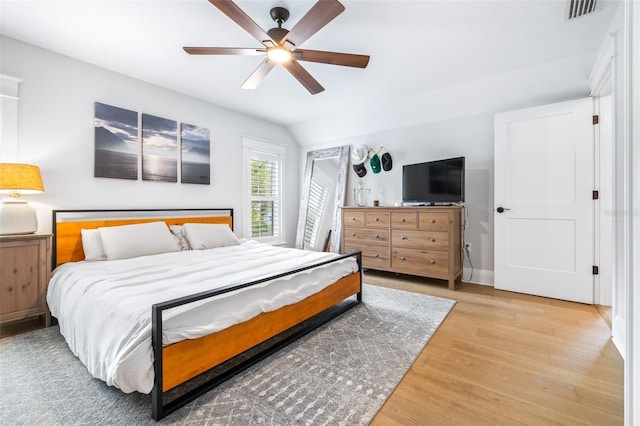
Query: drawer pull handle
{"points": [[433, 240], [377, 219], [433, 221], [403, 238], [353, 234], [402, 258], [377, 236], [377, 255], [433, 262], [403, 220], [353, 218]]}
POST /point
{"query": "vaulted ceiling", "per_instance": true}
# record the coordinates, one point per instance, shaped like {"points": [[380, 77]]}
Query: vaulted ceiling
{"points": [[420, 51]]}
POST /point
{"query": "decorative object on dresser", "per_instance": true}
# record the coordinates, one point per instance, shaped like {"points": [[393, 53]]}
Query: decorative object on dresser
{"points": [[424, 241], [26, 262], [16, 215]]}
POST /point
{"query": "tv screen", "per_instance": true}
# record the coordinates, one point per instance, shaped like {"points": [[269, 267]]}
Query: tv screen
{"points": [[434, 182]]}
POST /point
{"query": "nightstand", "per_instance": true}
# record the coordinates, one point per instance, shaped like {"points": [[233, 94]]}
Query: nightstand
{"points": [[25, 265]]}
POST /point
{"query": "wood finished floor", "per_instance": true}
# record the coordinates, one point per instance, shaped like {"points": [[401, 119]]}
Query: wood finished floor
{"points": [[505, 358], [500, 358]]}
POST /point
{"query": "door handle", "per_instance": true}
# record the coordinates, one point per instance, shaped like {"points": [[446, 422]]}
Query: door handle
{"points": [[501, 209]]}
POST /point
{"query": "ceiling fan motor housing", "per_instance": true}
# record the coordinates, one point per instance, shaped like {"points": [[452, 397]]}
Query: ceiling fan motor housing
{"points": [[277, 34], [279, 14]]}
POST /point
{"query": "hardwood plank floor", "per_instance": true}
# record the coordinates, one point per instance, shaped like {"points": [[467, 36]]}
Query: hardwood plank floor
{"points": [[505, 358]]}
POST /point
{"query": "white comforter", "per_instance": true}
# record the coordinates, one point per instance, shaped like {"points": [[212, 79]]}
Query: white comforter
{"points": [[104, 308]]}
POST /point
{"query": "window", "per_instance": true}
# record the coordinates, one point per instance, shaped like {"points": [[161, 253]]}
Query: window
{"points": [[264, 165]]}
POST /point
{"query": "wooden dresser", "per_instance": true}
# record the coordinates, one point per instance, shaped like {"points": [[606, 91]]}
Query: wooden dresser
{"points": [[424, 241], [25, 265]]}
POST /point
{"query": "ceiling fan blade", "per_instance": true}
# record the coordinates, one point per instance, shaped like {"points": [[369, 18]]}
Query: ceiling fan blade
{"points": [[333, 58], [303, 76], [323, 12], [256, 77], [237, 15], [223, 51]]}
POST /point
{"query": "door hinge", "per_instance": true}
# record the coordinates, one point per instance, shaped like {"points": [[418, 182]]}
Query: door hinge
{"points": [[595, 270], [595, 194], [596, 119]]}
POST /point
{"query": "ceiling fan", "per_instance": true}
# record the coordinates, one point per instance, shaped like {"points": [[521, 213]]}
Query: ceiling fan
{"points": [[281, 45]]}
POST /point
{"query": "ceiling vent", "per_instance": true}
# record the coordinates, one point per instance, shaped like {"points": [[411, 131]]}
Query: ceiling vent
{"points": [[578, 8]]}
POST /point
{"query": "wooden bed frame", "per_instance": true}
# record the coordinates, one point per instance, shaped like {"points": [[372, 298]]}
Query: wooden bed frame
{"points": [[180, 362]]}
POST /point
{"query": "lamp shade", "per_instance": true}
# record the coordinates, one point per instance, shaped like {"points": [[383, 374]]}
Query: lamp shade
{"points": [[16, 179]]}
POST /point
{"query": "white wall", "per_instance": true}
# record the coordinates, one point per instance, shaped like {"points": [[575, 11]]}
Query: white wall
{"points": [[55, 132], [471, 137]]}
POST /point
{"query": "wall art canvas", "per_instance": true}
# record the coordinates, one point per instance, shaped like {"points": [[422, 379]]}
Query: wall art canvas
{"points": [[116, 142], [159, 149], [196, 154]]}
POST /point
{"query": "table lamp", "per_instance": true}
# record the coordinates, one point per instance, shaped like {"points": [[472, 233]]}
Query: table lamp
{"points": [[16, 215]]}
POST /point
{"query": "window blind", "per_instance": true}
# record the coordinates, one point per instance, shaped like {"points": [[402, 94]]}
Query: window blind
{"points": [[265, 197]]}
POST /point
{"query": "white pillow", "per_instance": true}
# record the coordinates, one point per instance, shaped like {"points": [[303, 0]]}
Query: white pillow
{"points": [[208, 236], [180, 237], [92, 245], [126, 241]]}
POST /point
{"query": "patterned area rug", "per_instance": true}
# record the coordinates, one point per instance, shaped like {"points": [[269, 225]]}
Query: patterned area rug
{"points": [[341, 373]]}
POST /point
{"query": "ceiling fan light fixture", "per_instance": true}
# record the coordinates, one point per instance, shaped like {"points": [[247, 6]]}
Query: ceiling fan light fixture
{"points": [[279, 54]]}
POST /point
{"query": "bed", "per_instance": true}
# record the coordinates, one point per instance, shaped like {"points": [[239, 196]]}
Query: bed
{"points": [[177, 322]]}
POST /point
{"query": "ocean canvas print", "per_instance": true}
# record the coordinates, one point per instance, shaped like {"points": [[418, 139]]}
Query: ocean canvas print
{"points": [[116, 142], [159, 149], [196, 154]]}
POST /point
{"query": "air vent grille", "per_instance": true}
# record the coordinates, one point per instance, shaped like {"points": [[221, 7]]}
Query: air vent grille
{"points": [[577, 8]]}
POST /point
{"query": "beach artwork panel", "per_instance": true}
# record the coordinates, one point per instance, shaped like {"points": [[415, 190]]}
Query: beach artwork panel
{"points": [[159, 149], [116, 142], [196, 154]]}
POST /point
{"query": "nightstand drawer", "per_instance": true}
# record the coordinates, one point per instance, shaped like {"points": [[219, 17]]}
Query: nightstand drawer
{"points": [[24, 276]]}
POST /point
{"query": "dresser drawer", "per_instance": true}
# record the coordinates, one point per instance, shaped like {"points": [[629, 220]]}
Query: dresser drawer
{"points": [[433, 221], [419, 262], [377, 219], [353, 218], [366, 235], [404, 220], [432, 240], [373, 256]]}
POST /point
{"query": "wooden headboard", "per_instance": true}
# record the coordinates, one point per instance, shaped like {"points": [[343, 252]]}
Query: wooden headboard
{"points": [[66, 226]]}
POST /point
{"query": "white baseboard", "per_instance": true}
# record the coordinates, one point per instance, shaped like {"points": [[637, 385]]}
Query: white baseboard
{"points": [[480, 276], [618, 335]]}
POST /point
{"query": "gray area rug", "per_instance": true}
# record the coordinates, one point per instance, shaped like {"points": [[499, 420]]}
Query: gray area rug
{"points": [[339, 374]]}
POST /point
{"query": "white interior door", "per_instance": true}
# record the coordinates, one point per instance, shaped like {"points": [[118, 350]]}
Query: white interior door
{"points": [[543, 187]]}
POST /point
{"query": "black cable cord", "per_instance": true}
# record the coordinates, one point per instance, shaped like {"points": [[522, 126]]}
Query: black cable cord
{"points": [[465, 249]]}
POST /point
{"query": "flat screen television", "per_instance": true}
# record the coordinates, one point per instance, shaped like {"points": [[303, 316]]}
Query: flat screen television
{"points": [[434, 182]]}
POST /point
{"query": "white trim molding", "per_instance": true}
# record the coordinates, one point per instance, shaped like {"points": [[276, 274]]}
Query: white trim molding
{"points": [[632, 358], [479, 276], [9, 97], [600, 79]]}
